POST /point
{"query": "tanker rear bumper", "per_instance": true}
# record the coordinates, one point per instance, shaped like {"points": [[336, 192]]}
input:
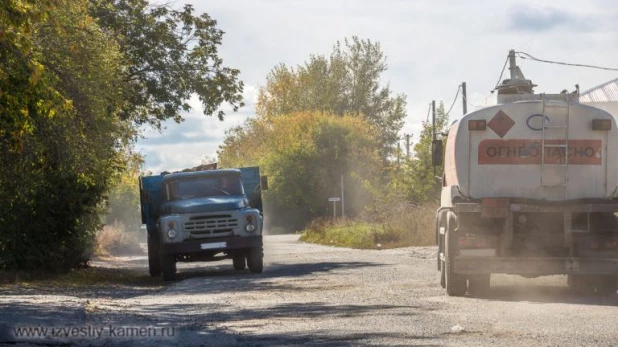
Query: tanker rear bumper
{"points": [[470, 265]]}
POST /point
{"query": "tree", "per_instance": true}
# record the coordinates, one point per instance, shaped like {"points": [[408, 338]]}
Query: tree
{"points": [[170, 55], [123, 195], [77, 79], [415, 179], [346, 83], [304, 154], [54, 173]]}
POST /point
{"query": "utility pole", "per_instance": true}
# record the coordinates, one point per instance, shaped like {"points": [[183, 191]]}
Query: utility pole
{"points": [[433, 127], [342, 199], [408, 145], [465, 98]]}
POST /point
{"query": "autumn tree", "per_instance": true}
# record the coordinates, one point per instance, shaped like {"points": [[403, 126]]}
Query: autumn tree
{"points": [[304, 154], [348, 82], [415, 179]]}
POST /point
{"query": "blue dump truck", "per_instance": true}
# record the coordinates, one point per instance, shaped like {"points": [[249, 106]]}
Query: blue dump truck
{"points": [[203, 215]]}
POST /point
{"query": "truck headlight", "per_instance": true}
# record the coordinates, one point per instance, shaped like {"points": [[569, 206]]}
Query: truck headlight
{"points": [[171, 233], [250, 227]]}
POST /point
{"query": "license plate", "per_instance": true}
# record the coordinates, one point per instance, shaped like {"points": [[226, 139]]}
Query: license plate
{"points": [[495, 208], [213, 245]]}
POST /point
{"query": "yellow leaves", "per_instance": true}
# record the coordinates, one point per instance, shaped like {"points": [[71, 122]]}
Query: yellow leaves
{"points": [[37, 71]]}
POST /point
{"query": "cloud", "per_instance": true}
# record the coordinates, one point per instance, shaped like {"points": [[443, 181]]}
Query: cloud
{"points": [[185, 144], [533, 18]]}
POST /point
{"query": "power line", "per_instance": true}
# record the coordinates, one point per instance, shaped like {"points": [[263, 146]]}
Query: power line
{"points": [[501, 73], [453, 104], [428, 112], [524, 55], [470, 103]]}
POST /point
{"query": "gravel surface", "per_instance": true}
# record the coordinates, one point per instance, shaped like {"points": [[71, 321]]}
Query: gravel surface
{"points": [[313, 295]]}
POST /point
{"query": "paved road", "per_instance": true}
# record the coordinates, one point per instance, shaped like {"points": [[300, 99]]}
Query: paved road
{"points": [[317, 295]]}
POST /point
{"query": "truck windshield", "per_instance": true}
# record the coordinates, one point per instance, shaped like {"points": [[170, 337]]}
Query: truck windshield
{"points": [[203, 187]]}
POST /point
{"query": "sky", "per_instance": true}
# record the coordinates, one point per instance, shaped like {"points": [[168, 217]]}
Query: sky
{"points": [[431, 47]]}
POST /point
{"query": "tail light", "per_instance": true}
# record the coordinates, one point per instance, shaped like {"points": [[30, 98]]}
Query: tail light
{"points": [[611, 244], [601, 124], [477, 124]]}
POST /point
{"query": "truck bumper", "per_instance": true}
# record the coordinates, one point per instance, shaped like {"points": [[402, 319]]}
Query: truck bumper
{"points": [[211, 244], [535, 266]]}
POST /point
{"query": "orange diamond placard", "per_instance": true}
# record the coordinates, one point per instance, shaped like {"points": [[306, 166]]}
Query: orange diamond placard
{"points": [[501, 123]]}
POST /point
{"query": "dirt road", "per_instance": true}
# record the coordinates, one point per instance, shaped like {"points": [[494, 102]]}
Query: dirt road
{"points": [[311, 295]]}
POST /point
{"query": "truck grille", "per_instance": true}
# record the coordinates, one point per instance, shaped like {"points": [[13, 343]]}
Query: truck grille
{"points": [[206, 226]]}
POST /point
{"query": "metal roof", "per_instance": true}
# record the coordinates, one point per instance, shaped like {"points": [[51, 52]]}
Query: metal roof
{"points": [[606, 92]]}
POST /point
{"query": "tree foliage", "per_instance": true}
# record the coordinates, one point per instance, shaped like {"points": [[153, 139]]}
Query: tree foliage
{"points": [[304, 154], [123, 203], [171, 54], [345, 83], [415, 179], [77, 78], [54, 179]]}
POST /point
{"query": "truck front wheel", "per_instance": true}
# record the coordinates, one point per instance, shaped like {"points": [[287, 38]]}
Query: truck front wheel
{"points": [[168, 266], [240, 261], [255, 259], [154, 266]]}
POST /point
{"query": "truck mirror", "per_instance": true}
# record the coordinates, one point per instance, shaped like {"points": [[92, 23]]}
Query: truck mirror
{"points": [[264, 182], [437, 152]]}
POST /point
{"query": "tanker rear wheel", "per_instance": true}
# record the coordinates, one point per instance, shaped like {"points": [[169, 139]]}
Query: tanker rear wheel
{"points": [[455, 284], [479, 285], [581, 284], [606, 285]]}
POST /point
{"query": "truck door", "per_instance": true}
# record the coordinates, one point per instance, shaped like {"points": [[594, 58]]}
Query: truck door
{"points": [[151, 198], [251, 184]]}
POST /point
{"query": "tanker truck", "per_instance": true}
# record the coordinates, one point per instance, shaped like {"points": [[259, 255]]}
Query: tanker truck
{"points": [[203, 214], [530, 188]]}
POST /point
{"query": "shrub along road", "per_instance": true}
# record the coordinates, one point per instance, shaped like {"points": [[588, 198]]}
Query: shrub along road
{"points": [[308, 294]]}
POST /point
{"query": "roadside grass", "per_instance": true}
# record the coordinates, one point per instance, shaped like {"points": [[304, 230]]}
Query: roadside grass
{"points": [[84, 278], [412, 227], [115, 240]]}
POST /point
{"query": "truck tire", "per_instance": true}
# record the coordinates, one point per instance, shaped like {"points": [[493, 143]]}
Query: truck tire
{"points": [[154, 265], [442, 276], [239, 261], [479, 285], [455, 284], [168, 266], [255, 259], [581, 284], [439, 239], [607, 285]]}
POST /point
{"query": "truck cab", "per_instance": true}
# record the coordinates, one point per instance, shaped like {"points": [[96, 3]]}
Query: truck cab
{"points": [[203, 215]]}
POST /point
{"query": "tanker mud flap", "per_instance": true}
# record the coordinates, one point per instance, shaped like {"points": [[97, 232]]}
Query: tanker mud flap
{"points": [[535, 266]]}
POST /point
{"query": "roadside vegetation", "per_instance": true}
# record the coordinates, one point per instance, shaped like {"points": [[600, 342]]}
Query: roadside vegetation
{"points": [[333, 116], [79, 79], [114, 240], [412, 226], [84, 279]]}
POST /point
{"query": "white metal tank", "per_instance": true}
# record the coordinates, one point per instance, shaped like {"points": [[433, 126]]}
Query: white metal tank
{"points": [[516, 148]]}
